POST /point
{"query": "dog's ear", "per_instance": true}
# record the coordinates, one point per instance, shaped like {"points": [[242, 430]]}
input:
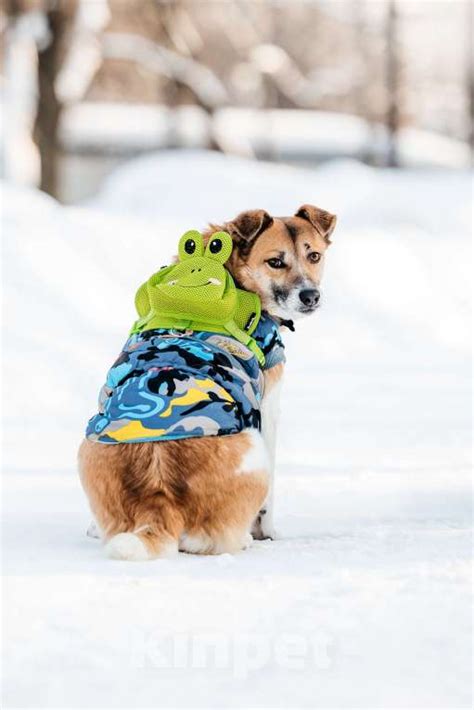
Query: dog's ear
{"points": [[245, 228], [324, 222]]}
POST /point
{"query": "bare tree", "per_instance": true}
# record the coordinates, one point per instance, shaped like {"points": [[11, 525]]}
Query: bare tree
{"points": [[470, 75], [59, 16], [392, 82]]}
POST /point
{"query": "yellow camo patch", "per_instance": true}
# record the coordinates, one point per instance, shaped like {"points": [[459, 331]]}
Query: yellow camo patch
{"points": [[134, 430], [197, 394]]}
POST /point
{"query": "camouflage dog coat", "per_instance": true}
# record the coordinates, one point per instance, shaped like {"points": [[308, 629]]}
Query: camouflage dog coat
{"points": [[169, 384]]}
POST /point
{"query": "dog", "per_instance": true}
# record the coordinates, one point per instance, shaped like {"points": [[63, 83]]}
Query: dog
{"points": [[213, 494]]}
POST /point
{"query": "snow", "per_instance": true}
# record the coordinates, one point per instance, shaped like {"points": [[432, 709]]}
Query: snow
{"points": [[84, 55], [299, 135], [19, 159], [116, 127], [303, 135], [364, 600]]}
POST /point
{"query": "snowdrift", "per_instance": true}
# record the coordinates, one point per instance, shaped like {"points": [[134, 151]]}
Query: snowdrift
{"points": [[372, 567]]}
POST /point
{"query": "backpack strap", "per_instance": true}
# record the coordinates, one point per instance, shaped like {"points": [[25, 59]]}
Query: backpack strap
{"points": [[245, 339]]}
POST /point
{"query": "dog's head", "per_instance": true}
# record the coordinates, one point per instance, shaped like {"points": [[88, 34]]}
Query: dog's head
{"points": [[281, 258]]}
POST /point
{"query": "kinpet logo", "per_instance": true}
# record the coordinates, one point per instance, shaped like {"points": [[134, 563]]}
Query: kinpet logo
{"points": [[243, 654]]}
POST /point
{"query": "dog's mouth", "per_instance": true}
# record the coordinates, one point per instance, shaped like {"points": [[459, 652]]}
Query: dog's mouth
{"points": [[293, 303], [288, 313], [307, 310]]}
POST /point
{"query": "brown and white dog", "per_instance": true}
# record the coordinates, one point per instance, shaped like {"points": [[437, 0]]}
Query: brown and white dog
{"points": [[207, 495]]}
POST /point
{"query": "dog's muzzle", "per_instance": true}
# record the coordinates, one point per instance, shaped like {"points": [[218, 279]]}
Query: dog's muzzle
{"points": [[309, 297]]}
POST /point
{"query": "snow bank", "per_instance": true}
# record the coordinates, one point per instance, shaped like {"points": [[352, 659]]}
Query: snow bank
{"points": [[302, 135], [286, 134], [364, 601], [124, 128]]}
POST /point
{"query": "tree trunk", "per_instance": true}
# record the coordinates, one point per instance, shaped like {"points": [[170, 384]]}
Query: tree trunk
{"points": [[361, 100], [392, 80], [49, 108], [470, 76]]}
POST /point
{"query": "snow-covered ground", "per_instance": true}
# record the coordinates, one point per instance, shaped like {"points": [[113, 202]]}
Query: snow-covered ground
{"points": [[364, 600]]}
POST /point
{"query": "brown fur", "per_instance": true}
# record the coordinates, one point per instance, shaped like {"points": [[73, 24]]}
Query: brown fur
{"points": [[258, 237], [163, 490], [273, 375], [172, 487]]}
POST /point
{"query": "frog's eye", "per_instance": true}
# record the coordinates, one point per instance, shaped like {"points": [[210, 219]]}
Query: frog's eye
{"points": [[219, 247], [190, 245], [215, 246]]}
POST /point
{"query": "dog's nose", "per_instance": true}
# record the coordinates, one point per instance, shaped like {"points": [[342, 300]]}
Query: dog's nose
{"points": [[309, 297]]}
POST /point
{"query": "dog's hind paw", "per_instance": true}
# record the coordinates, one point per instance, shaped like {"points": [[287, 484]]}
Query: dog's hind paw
{"points": [[126, 546], [262, 529], [93, 531], [264, 535]]}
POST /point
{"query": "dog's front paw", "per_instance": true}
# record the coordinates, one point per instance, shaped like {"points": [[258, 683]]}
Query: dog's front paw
{"points": [[263, 529]]}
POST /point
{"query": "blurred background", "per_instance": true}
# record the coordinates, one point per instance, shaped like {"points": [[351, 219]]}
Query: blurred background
{"points": [[145, 118], [89, 84]]}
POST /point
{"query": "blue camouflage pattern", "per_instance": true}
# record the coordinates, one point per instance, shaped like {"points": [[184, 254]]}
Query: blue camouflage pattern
{"points": [[169, 384]]}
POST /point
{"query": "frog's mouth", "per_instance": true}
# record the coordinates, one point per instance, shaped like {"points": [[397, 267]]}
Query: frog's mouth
{"points": [[212, 281]]}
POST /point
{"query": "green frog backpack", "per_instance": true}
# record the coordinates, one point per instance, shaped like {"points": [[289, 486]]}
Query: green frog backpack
{"points": [[198, 293]]}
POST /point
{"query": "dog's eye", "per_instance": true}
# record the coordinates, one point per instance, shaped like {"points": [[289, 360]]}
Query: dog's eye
{"points": [[276, 263], [314, 257]]}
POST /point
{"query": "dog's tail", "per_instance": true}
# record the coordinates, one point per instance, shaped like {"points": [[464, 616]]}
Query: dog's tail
{"points": [[138, 519], [142, 544], [155, 532]]}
